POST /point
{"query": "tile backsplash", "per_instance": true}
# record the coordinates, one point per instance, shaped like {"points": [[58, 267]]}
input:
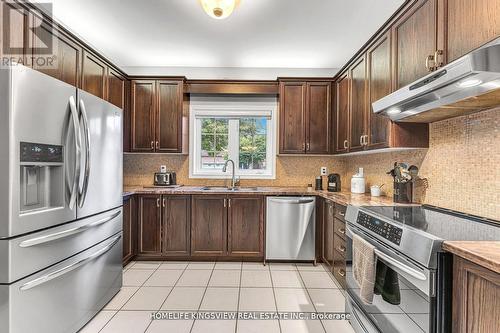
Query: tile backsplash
{"points": [[461, 166]]}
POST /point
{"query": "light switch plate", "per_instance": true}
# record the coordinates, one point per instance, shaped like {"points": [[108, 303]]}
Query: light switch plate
{"points": [[323, 171]]}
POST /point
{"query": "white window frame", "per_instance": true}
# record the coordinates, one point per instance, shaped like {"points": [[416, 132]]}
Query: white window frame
{"points": [[231, 109]]}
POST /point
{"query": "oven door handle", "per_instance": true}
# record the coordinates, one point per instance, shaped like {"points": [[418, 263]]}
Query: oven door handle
{"points": [[400, 266]]}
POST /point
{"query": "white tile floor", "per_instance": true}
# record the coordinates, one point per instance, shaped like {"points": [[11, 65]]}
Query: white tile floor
{"points": [[208, 286]]}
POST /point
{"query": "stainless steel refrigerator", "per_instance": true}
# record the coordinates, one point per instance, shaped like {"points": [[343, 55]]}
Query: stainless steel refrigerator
{"points": [[60, 203]]}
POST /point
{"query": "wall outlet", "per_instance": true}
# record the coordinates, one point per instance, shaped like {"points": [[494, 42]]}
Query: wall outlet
{"points": [[163, 168], [323, 171]]}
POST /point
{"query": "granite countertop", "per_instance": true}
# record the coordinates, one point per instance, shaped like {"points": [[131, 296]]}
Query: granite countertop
{"points": [[483, 253], [343, 198]]}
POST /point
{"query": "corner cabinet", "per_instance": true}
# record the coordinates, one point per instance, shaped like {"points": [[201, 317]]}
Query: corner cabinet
{"points": [[156, 116], [305, 117], [227, 226], [129, 229]]}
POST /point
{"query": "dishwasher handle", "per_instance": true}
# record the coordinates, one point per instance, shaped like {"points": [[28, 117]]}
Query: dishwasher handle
{"points": [[297, 201]]}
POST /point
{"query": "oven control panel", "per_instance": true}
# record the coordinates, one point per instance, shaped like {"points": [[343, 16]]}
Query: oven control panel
{"points": [[381, 228]]}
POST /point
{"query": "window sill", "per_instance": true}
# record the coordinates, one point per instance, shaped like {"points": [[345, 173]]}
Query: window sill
{"points": [[211, 176]]}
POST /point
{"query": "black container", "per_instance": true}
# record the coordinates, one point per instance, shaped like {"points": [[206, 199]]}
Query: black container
{"points": [[334, 182], [319, 183], [403, 192]]}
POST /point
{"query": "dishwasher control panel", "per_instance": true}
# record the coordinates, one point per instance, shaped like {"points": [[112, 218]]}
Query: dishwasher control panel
{"points": [[381, 228]]}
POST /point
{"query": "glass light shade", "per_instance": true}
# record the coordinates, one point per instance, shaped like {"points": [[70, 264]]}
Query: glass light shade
{"points": [[219, 9]]}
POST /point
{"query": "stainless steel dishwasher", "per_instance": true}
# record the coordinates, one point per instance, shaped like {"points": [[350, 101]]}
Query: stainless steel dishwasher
{"points": [[290, 228]]}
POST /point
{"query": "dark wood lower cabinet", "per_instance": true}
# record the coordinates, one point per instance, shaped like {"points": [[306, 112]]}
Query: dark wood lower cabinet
{"points": [[328, 218], [129, 229], [150, 225], [245, 226], [208, 225], [176, 222], [476, 298]]}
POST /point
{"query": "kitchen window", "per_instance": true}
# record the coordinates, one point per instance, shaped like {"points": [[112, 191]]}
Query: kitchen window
{"points": [[240, 129]]}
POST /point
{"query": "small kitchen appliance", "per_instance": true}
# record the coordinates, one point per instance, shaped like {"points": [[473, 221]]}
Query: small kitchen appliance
{"points": [[166, 178], [334, 182], [358, 182]]}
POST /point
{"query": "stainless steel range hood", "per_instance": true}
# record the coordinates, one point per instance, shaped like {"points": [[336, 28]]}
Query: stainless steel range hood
{"points": [[466, 85]]}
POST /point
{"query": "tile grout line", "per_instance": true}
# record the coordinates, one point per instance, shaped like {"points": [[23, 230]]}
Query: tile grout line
{"points": [[239, 297], [312, 302], [274, 294], [204, 293]]}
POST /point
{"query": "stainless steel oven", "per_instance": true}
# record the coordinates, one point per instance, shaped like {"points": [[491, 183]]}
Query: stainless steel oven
{"points": [[417, 286]]}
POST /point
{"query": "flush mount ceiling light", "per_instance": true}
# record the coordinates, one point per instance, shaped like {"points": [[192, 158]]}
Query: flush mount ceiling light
{"points": [[219, 9]]}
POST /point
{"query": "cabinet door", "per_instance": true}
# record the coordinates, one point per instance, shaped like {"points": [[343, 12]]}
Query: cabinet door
{"points": [[177, 225], [292, 117], [246, 226], [14, 33], [476, 298], [327, 251], [169, 119], [357, 118], [116, 88], [143, 115], [318, 117], [129, 229], [415, 37], [468, 25], [379, 85], [208, 225], [342, 114], [94, 73], [68, 54], [150, 225]]}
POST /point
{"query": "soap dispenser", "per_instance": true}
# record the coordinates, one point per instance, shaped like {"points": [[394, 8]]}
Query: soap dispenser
{"points": [[358, 182]]}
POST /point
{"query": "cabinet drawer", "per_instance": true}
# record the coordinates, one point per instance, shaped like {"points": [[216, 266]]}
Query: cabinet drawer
{"points": [[340, 246], [339, 273], [339, 228], [340, 212]]}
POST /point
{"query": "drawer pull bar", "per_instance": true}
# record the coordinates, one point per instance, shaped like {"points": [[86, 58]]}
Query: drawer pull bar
{"points": [[69, 268], [341, 272], [341, 248], [66, 233]]}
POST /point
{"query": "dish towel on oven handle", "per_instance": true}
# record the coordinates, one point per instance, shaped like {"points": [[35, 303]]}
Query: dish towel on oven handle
{"points": [[364, 267]]}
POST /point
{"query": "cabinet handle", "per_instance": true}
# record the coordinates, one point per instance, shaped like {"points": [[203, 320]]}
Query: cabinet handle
{"points": [[341, 230], [158, 202], [341, 248], [366, 140], [341, 272], [361, 140], [152, 145], [225, 202], [346, 144], [164, 203], [157, 145], [308, 147], [303, 146], [428, 60], [229, 203], [437, 55], [342, 214]]}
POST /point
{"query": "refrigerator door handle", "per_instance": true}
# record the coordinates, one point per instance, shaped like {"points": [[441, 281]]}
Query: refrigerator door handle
{"points": [[83, 192], [66, 233], [65, 270], [76, 176]]}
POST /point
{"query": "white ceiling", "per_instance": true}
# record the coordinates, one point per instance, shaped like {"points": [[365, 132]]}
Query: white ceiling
{"points": [[306, 34]]}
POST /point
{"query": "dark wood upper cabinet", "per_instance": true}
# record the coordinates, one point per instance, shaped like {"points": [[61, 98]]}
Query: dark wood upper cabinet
{"points": [[415, 42], [318, 130], [142, 115], [176, 225], [68, 54], [379, 85], [150, 226], [357, 118], [14, 32], [169, 120], [476, 298], [468, 24], [292, 117], [94, 75], [129, 229], [245, 226], [208, 225], [342, 96], [115, 88]]}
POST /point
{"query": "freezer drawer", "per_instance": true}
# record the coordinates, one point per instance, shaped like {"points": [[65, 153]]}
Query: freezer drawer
{"points": [[290, 228], [64, 297], [22, 256]]}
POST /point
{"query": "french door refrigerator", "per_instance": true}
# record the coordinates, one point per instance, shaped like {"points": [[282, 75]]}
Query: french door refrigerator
{"points": [[60, 203]]}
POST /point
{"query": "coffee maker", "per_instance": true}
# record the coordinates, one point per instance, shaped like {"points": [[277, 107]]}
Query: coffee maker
{"points": [[334, 182]]}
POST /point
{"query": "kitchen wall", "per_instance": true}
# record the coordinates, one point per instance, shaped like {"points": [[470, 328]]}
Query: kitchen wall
{"points": [[461, 166]]}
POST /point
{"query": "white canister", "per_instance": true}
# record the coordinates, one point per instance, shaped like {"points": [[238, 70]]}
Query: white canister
{"points": [[358, 182]]}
